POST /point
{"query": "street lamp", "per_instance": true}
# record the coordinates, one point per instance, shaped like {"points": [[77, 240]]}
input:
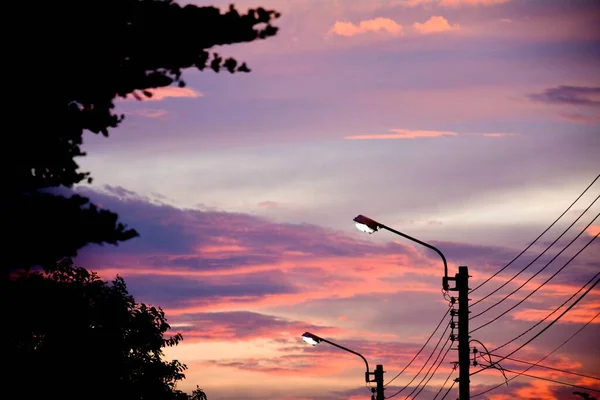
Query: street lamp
{"points": [[370, 226], [315, 340], [367, 225]]}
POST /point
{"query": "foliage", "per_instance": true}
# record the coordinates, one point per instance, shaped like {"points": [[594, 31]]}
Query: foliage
{"points": [[110, 49], [73, 333]]}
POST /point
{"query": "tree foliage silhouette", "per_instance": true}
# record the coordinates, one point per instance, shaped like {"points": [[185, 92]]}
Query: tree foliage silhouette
{"points": [[73, 333], [115, 48]]}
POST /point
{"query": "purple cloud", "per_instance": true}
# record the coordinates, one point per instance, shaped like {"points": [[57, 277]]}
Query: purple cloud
{"points": [[571, 95]]}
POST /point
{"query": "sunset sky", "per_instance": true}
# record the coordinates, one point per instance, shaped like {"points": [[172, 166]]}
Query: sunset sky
{"points": [[469, 124]]}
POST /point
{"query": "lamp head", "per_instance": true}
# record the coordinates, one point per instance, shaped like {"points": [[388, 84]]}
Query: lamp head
{"points": [[366, 225], [311, 339]]}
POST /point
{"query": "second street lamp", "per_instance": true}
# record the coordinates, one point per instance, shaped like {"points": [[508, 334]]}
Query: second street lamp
{"points": [[378, 373], [365, 224]]}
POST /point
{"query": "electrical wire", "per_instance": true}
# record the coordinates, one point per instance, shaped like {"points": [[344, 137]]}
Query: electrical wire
{"points": [[549, 315], [433, 373], [547, 367], [445, 382], [543, 283], [551, 380], [449, 389], [541, 359], [426, 362], [543, 330], [421, 349], [534, 260], [536, 239]]}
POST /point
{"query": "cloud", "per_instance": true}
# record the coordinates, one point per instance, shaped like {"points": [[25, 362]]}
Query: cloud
{"points": [[569, 95], [148, 113], [497, 134], [472, 3], [580, 118], [418, 134], [163, 93], [593, 230], [402, 134], [241, 288], [435, 24], [376, 25], [269, 204], [245, 325], [451, 3], [582, 314]]}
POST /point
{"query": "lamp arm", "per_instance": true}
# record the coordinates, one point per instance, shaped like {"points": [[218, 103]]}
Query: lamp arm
{"points": [[422, 244], [353, 352]]}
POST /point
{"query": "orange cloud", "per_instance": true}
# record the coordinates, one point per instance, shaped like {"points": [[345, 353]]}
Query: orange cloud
{"points": [[435, 24], [593, 230], [402, 134], [163, 93], [348, 29]]}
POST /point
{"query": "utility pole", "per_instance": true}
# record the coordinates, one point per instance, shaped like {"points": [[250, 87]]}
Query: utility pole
{"points": [[379, 380], [464, 350]]}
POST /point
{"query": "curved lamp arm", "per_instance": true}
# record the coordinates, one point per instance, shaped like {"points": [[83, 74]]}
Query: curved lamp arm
{"points": [[368, 225], [314, 340]]}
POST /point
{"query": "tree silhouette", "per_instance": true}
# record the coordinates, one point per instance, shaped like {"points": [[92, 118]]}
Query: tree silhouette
{"points": [[113, 48], [72, 333], [198, 394]]}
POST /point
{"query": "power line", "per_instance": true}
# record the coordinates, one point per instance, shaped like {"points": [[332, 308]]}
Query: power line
{"points": [[427, 361], [449, 389], [534, 260], [550, 380], [429, 370], [544, 283], [434, 371], [536, 239], [543, 330], [445, 382], [549, 315], [541, 359], [546, 367], [420, 350]]}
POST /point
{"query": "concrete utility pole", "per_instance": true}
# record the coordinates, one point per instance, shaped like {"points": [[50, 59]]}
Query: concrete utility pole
{"points": [[379, 380], [464, 350]]}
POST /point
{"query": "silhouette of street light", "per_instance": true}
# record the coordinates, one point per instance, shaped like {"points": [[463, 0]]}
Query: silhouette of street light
{"points": [[315, 340], [367, 225]]}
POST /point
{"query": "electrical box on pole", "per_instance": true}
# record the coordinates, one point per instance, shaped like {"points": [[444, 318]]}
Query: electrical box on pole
{"points": [[464, 350], [379, 381]]}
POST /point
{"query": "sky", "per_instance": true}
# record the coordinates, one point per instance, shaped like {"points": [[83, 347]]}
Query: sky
{"points": [[468, 124]]}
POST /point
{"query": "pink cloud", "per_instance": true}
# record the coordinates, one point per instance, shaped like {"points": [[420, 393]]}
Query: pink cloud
{"points": [[148, 113], [579, 315], [459, 3], [376, 25], [451, 3], [435, 24], [497, 134], [268, 204], [402, 134], [580, 118], [163, 93]]}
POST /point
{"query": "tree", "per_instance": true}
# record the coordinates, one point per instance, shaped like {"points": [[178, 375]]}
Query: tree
{"points": [[114, 48], [198, 394], [73, 335]]}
